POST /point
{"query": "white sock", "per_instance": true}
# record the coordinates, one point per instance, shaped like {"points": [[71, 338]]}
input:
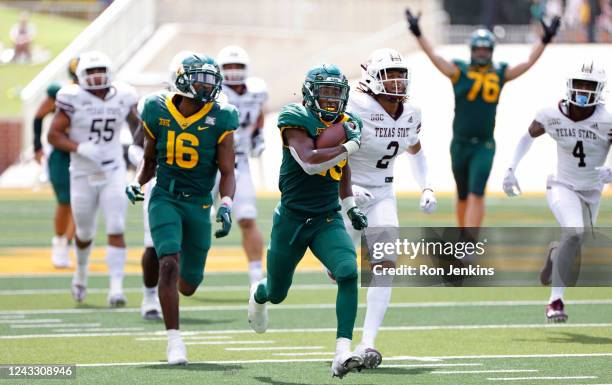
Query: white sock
{"points": [[377, 303], [173, 334], [556, 292], [115, 260], [149, 292], [80, 275], [255, 271], [343, 345]]}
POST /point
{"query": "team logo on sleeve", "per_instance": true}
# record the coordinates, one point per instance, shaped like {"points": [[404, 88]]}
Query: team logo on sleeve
{"points": [[210, 120], [164, 122]]}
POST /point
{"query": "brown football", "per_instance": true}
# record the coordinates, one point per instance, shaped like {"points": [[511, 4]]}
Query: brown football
{"points": [[331, 136]]}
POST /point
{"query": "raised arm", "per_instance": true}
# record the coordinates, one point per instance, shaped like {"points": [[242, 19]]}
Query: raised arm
{"points": [[538, 48], [446, 67]]}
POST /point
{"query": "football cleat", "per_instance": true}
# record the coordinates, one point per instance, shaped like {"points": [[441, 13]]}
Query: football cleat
{"points": [[60, 253], [78, 291], [116, 299], [555, 312], [344, 363], [258, 313], [546, 272], [177, 352], [150, 309], [370, 356]]}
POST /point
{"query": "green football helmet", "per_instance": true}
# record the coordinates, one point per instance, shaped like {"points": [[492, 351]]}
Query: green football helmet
{"points": [[482, 38], [326, 91], [197, 76]]}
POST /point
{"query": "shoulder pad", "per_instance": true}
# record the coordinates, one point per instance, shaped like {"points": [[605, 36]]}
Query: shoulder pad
{"points": [[292, 115], [53, 89]]}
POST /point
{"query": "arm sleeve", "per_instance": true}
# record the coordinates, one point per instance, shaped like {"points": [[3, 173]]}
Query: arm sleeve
{"points": [[418, 165], [37, 133], [312, 169], [522, 148]]}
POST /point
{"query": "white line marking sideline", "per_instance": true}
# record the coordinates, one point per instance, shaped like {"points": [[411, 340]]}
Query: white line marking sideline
{"points": [[540, 378], [276, 348], [228, 342], [483, 371]]}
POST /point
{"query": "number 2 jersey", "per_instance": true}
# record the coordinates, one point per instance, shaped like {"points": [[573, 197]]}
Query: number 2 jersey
{"points": [[382, 139], [581, 146], [96, 120], [187, 146]]}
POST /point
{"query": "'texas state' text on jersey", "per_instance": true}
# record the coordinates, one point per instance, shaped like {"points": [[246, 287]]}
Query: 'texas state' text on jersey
{"points": [[187, 146], [382, 139]]}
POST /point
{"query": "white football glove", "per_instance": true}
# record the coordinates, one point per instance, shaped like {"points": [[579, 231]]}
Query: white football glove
{"points": [[428, 202], [90, 151], [605, 174], [511, 186], [135, 154], [362, 195]]}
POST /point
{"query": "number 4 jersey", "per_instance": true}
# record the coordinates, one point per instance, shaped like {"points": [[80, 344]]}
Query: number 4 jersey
{"points": [[97, 120], [581, 146], [187, 146], [382, 139]]}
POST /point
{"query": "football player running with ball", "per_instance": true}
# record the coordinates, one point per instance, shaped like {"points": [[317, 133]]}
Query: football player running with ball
{"points": [[477, 85], [311, 179], [189, 137], [390, 126], [582, 128], [87, 123]]}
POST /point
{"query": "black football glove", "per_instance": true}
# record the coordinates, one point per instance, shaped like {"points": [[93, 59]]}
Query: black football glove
{"points": [[413, 22], [551, 29]]}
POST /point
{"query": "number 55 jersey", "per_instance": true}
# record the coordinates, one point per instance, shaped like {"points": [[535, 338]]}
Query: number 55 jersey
{"points": [[382, 139], [97, 120], [581, 146]]}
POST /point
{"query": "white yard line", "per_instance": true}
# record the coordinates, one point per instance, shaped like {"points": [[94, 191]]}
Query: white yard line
{"points": [[230, 362], [276, 348], [309, 307], [98, 330], [185, 338], [299, 354], [256, 342], [432, 365], [30, 321], [484, 371], [66, 291], [541, 378], [323, 330], [53, 325]]}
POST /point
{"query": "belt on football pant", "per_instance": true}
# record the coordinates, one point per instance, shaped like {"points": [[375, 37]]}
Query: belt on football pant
{"points": [[305, 220], [182, 195]]}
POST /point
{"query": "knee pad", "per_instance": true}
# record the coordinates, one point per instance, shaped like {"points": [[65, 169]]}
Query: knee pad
{"points": [[346, 271]]}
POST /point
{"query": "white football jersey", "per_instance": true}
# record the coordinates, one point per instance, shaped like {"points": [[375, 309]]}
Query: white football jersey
{"points": [[249, 107], [581, 146], [382, 139], [97, 120]]}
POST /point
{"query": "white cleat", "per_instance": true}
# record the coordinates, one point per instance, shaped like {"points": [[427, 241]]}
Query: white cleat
{"points": [[177, 352], [258, 313], [60, 253], [344, 363], [150, 309], [116, 299], [370, 356], [78, 291]]}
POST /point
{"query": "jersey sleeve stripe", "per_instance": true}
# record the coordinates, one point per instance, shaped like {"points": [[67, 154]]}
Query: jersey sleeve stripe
{"points": [[64, 106], [226, 133], [147, 130], [456, 76]]}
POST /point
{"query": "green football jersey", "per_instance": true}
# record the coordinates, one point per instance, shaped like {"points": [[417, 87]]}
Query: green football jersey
{"points": [[187, 146], [53, 89], [309, 195], [476, 96]]}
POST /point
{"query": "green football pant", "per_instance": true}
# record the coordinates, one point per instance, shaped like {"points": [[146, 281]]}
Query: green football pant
{"points": [[181, 224], [472, 163], [328, 240], [59, 175]]}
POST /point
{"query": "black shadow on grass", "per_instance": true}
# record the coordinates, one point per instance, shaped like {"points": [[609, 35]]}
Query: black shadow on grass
{"points": [[243, 301], [569, 338], [269, 380], [398, 371], [203, 321]]}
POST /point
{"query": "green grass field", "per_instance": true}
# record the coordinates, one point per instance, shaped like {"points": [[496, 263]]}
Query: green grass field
{"points": [[430, 335], [54, 33]]}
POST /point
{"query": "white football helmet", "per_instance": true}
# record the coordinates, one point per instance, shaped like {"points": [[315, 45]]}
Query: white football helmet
{"points": [[232, 54], [582, 97], [374, 73], [95, 81]]}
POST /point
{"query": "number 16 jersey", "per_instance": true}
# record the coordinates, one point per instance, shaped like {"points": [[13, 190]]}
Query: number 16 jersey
{"points": [[382, 139], [581, 146], [96, 120]]}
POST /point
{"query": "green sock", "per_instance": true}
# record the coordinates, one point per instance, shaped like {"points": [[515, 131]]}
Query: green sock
{"points": [[346, 308], [261, 294]]}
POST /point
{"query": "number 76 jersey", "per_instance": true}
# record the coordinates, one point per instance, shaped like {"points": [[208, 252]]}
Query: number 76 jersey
{"points": [[382, 139], [581, 146], [96, 120]]}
